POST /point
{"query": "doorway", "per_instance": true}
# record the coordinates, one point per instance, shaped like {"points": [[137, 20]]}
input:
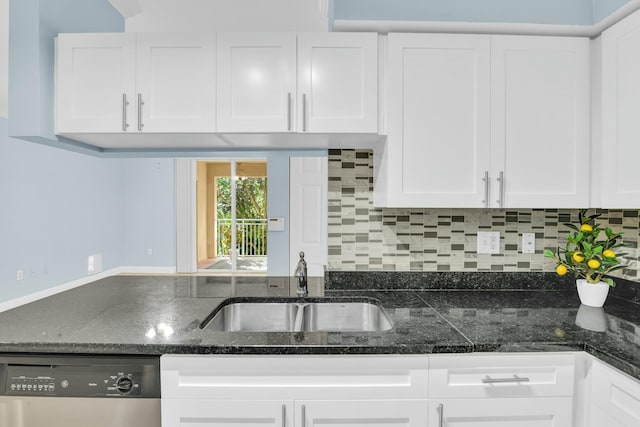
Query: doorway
{"points": [[231, 216]]}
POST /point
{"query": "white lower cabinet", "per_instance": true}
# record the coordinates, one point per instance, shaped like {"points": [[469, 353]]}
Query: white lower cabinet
{"points": [[507, 412], [446, 390], [294, 391], [514, 390], [614, 398]]}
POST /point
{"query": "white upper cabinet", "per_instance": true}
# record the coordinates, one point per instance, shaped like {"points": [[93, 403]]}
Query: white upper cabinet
{"points": [[256, 82], [619, 175], [175, 83], [96, 82], [485, 121], [540, 122], [312, 82], [114, 83], [437, 150], [337, 82]]}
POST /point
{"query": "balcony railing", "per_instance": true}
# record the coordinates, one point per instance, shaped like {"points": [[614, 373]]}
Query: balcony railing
{"points": [[251, 237]]}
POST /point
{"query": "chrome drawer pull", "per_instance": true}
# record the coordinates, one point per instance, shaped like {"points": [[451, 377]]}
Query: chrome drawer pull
{"points": [[515, 379], [284, 415], [441, 415]]}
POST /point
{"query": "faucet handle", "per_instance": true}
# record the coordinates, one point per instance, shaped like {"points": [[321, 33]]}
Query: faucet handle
{"points": [[301, 255]]}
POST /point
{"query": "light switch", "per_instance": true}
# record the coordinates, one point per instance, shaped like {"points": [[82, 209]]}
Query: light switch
{"points": [[488, 242], [528, 243], [275, 224]]}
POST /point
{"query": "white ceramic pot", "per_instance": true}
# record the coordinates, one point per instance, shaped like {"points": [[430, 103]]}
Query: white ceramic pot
{"points": [[592, 294]]}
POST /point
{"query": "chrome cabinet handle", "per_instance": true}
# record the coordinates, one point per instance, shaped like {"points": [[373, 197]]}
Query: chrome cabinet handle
{"points": [[125, 103], [486, 189], [515, 379], [289, 111], [304, 416], [304, 112], [441, 415], [284, 415], [501, 181], [140, 104]]}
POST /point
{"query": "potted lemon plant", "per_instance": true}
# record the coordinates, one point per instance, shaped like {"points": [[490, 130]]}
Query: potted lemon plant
{"points": [[589, 256]]}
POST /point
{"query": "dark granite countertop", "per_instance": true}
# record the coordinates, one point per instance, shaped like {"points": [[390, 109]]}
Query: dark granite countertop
{"points": [[155, 315]]}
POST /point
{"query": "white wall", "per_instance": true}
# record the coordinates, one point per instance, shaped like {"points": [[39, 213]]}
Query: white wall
{"points": [[229, 15], [4, 57]]}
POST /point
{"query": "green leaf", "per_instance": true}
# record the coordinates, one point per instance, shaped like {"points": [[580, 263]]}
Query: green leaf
{"points": [[609, 281], [573, 227], [549, 253]]}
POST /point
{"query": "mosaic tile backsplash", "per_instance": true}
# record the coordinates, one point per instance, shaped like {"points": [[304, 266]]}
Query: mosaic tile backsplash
{"points": [[364, 238]]}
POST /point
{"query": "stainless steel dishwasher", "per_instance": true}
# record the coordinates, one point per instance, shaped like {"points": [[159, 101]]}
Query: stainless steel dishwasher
{"points": [[75, 391]]}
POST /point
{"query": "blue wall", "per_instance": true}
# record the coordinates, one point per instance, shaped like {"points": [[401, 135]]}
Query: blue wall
{"points": [[33, 27], [149, 212], [56, 208], [571, 12]]}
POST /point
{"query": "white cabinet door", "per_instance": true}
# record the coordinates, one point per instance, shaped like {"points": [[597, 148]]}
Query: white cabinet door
{"points": [[256, 82], [337, 82], [507, 412], [437, 150], [223, 413], [175, 83], [540, 121], [95, 81], [365, 413], [619, 181], [616, 394]]}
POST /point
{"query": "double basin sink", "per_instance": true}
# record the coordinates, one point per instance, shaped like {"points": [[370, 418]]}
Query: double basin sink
{"points": [[298, 315]]}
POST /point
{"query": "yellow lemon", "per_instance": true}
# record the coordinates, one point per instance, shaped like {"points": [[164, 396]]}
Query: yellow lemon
{"points": [[609, 254], [577, 257], [586, 228], [561, 270], [594, 263]]}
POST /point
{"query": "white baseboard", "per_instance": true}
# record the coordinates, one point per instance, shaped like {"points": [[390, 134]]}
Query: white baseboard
{"points": [[25, 299], [8, 305]]}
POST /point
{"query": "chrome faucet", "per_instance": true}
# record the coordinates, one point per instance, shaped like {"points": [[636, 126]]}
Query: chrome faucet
{"points": [[301, 274]]}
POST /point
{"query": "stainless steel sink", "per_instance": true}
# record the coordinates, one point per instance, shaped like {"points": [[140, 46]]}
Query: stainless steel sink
{"points": [[255, 317], [301, 316], [345, 316]]}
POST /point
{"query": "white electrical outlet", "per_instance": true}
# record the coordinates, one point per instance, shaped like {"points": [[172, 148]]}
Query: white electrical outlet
{"points": [[150, 251], [94, 264], [528, 243], [19, 275], [488, 242]]}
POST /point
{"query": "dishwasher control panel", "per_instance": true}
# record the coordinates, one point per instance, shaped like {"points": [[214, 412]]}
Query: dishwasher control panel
{"points": [[79, 377]]}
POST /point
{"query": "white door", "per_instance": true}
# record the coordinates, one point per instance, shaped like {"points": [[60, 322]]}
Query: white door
{"points": [[437, 150], [95, 82], [256, 82], [338, 82], [224, 413], [175, 83], [619, 183], [540, 121], [365, 413], [506, 412], [308, 213]]}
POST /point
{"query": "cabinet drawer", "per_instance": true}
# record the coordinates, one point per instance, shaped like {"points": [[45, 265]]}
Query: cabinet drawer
{"points": [[501, 375], [294, 377], [616, 393]]}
